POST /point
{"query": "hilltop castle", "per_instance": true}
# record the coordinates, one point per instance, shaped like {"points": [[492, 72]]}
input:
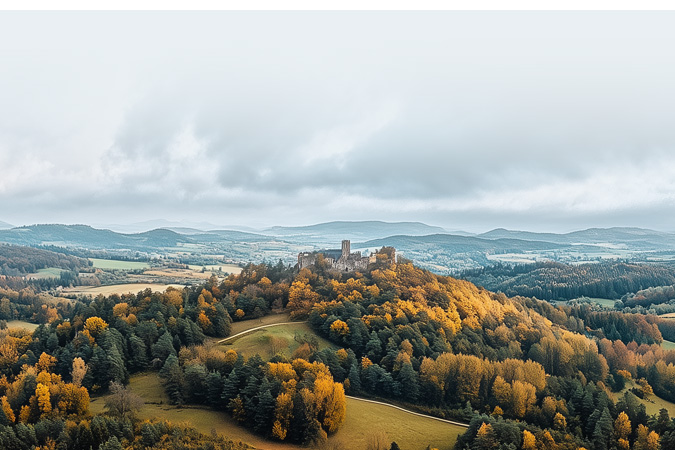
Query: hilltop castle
{"points": [[343, 260]]}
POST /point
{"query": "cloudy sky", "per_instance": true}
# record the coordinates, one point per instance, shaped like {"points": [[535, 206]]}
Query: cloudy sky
{"points": [[467, 120]]}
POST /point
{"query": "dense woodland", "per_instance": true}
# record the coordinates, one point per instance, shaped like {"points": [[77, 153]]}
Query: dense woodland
{"points": [[557, 281], [524, 373], [17, 261]]}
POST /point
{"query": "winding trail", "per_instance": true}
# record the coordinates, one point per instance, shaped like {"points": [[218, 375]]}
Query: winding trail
{"points": [[256, 329], [466, 425], [250, 330]]}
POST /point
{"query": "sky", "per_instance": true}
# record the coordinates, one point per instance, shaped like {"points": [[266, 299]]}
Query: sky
{"points": [[543, 121]]}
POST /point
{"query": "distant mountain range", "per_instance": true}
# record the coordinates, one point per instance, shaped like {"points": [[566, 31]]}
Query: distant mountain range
{"points": [[429, 246], [334, 232], [5, 225], [634, 237]]}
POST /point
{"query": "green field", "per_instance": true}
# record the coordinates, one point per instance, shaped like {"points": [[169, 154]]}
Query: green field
{"points": [[668, 345], [261, 341], [606, 302], [118, 265], [411, 432], [49, 272], [22, 324]]}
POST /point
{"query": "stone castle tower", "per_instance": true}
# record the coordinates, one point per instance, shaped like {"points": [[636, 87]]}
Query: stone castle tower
{"points": [[346, 249]]}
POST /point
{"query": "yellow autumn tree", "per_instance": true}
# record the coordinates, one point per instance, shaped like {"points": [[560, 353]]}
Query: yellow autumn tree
{"points": [[529, 441], [95, 326], [43, 400], [7, 408]]}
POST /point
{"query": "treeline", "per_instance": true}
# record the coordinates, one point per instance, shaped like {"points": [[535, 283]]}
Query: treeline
{"points": [[557, 281], [17, 260], [651, 296]]}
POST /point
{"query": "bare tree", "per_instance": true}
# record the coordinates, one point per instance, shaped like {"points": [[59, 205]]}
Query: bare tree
{"points": [[121, 401]]}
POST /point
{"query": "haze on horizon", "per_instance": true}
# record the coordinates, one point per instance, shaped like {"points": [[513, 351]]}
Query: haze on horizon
{"points": [[544, 121]]}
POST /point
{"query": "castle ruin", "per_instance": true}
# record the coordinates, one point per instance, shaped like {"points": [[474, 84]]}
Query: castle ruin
{"points": [[343, 260]]}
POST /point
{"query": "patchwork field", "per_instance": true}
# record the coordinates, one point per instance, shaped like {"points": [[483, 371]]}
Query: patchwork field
{"points": [[119, 265], [118, 289], [363, 419]]}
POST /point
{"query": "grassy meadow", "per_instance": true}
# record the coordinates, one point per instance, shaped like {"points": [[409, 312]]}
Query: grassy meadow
{"points": [[22, 324], [113, 264], [269, 341], [49, 272]]}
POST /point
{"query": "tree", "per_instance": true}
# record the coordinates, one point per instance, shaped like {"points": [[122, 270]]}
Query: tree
{"points": [[95, 326], [122, 402], [163, 347]]}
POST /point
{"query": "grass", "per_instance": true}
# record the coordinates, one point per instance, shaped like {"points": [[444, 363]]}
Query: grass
{"points": [[226, 268], [243, 325], [118, 289], [22, 324], [605, 302], [411, 432], [652, 404], [118, 265], [260, 341], [668, 345], [49, 272]]}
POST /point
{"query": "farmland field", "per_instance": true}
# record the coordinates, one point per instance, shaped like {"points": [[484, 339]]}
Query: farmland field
{"points": [[118, 289], [668, 345], [118, 265], [363, 419]]}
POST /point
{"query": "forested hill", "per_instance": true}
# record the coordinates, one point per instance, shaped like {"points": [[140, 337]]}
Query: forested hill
{"points": [[556, 281], [84, 236], [526, 374], [17, 260]]}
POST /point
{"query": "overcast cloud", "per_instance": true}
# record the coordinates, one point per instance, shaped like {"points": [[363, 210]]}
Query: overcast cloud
{"points": [[541, 121]]}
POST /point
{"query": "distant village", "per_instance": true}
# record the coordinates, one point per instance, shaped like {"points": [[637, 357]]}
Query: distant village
{"points": [[340, 259]]}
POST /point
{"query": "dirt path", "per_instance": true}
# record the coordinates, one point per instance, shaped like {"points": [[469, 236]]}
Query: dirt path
{"points": [[255, 329], [408, 411], [250, 330]]}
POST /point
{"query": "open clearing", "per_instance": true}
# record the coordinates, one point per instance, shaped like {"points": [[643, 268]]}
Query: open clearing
{"points": [[132, 288], [225, 268], [411, 432], [243, 325], [605, 302], [262, 341], [119, 265], [49, 272], [652, 404], [22, 324], [668, 316], [668, 345]]}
